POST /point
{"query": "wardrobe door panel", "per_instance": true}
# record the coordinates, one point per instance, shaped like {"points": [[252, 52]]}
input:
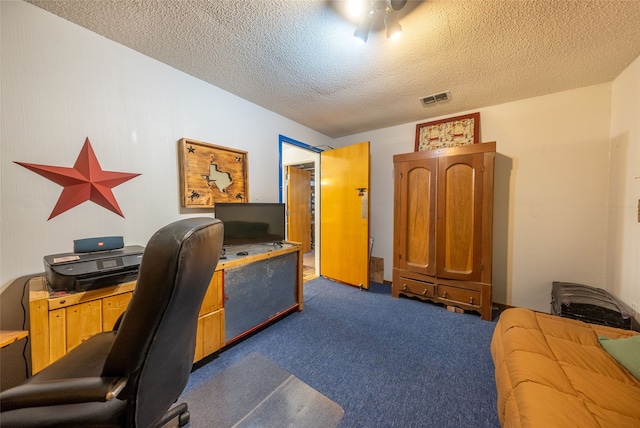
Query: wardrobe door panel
{"points": [[416, 217], [460, 217]]}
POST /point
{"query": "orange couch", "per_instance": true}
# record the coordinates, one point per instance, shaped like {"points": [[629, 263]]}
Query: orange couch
{"points": [[553, 372]]}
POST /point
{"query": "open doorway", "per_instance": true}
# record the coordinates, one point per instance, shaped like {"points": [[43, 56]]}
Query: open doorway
{"points": [[304, 161]]}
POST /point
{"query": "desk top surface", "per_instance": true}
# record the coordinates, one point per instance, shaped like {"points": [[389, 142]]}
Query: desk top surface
{"points": [[39, 289], [235, 255], [7, 337]]}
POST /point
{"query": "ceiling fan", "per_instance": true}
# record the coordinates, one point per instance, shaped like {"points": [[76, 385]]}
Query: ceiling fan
{"points": [[387, 9]]}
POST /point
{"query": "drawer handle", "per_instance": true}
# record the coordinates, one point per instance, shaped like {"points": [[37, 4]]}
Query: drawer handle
{"points": [[405, 288], [424, 293], [444, 294], [471, 300]]}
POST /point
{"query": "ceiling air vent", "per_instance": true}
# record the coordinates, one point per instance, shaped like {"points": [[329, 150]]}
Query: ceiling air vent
{"points": [[435, 98]]}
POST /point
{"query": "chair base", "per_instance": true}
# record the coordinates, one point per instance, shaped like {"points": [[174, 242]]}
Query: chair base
{"points": [[177, 416]]}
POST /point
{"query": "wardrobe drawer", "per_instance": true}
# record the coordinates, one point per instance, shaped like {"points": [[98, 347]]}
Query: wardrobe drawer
{"points": [[419, 288], [460, 295]]}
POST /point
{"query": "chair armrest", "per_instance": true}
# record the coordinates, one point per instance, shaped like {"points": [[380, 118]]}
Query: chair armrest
{"points": [[64, 391]]}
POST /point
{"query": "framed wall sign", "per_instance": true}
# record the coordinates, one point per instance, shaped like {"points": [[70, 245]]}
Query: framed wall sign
{"points": [[210, 174], [450, 132]]}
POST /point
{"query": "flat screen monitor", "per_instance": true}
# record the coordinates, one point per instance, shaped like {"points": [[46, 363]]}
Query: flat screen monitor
{"points": [[251, 222]]}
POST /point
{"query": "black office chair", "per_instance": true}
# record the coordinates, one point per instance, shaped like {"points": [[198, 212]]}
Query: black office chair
{"points": [[130, 377]]}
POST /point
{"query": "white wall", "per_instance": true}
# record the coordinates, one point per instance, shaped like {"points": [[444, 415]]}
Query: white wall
{"points": [[623, 268], [551, 190], [61, 84]]}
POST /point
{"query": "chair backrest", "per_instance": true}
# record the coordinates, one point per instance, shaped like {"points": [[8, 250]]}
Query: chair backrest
{"points": [[155, 342]]}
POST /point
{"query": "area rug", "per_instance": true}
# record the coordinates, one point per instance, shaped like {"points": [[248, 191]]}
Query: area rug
{"points": [[255, 392]]}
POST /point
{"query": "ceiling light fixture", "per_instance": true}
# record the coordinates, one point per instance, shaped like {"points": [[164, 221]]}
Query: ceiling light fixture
{"points": [[391, 23], [362, 32]]}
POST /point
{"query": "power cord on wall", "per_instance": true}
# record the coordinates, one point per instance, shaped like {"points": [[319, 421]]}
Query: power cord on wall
{"points": [[24, 325]]}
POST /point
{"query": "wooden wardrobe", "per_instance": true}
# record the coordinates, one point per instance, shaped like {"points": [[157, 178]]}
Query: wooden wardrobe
{"points": [[443, 226]]}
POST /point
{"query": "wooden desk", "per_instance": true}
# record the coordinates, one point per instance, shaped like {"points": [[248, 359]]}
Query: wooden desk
{"points": [[7, 337], [61, 321]]}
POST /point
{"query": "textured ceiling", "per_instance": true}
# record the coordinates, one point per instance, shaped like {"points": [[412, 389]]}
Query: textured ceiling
{"points": [[299, 58]]}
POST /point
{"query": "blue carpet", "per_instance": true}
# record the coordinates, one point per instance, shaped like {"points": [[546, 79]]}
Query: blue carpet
{"points": [[388, 362]]}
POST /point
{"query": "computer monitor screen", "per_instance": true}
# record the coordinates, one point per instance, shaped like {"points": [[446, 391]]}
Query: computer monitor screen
{"points": [[251, 223]]}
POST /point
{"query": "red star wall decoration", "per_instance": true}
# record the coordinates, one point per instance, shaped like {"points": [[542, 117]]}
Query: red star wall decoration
{"points": [[86, 181]]}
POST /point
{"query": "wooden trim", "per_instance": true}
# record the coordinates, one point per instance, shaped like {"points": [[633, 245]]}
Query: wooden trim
{"points": [[70, 299], [300, 279], [38, 323], [451, 151], [487, 219], [7, 337], [243, 260]]}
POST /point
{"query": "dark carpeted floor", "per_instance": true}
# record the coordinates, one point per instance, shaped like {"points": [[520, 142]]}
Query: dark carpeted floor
{"points": [[388, 362]]}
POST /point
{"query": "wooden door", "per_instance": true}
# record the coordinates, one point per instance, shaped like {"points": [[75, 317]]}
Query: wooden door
{"points": [[460, 219], [299, 207], [344, 214], [415, 216]]}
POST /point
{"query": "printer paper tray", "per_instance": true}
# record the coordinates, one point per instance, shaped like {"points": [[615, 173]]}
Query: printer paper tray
{"points": [[90, 282]]}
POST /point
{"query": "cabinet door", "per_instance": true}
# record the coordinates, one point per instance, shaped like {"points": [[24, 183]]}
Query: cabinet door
{"points": [[210, 334], [58, 334], [83, 321], [112, 308], [459, 233], [415, 220], [258, 292], [213, 298], [39, 334]]}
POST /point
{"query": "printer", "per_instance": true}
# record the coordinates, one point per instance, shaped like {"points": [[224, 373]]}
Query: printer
{"points": [[88, 271]]}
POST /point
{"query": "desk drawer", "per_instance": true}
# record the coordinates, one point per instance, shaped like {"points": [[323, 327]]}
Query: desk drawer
{"points": [[418, 288], [459, 295]]}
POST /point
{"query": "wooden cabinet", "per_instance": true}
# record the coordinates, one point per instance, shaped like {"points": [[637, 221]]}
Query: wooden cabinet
{"points": [[443, 226], [61, 321], [210, 332]]}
